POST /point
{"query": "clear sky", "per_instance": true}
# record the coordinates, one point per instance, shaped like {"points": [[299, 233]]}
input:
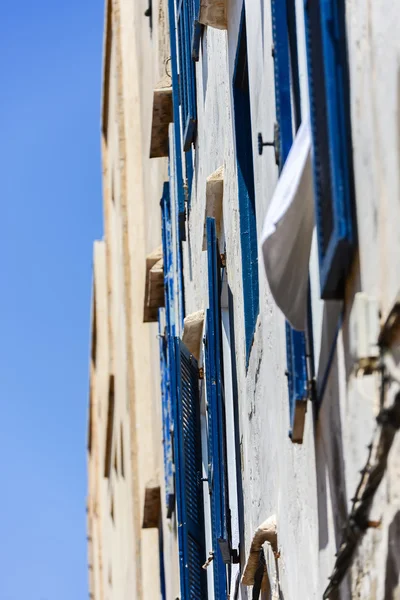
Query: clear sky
{"points": [[50, 59]]}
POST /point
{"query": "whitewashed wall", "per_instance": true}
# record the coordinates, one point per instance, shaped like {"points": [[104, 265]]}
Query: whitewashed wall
{"points": [[307, 486]]}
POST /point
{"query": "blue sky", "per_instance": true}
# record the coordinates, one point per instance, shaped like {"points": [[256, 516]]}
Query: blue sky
{"points": [[50, 58]]}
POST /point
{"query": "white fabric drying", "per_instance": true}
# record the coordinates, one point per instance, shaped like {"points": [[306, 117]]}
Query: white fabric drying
{"points": [[287, 232]]}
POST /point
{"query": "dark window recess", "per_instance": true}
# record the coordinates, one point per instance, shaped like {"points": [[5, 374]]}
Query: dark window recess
{"points": [[247, 205], [94, 330], [110, 428]]}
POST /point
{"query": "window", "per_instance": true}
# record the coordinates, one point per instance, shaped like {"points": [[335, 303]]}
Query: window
{"points": [[188, 459], [188, 32], [94, 329], [331, 132], [112, 511], [110, 427], [184, 50], [247, 205], [216, 415], [288, 114], [166, 325]]}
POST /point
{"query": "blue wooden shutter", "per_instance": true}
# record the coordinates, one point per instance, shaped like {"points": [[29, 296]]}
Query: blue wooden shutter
{"points": [[216, 416], [188, 475], [166, 415], [166, 338], [331, 132], [286, 90], [187, 74], [246, 189], [282, 78], [176, 159]]}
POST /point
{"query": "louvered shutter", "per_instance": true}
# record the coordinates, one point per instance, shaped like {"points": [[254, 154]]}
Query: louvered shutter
{"points": [[283, 21], [216, 413], [187, 80], [282, 78], [166, 334], [166, 414], [246, 190], [331, 132], [175, 166], [188, 475]]}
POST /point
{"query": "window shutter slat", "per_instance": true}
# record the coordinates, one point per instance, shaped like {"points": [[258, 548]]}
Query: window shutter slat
{"points": [[216, 417], [188, 475]]}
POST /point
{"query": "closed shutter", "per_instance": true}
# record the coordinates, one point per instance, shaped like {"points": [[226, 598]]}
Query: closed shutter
{"points": [[188, 476], [287, 103], [331, 132], [166, 337], [175, 165], [282, 78], [166, 414], [187, 75], [216, 414]]}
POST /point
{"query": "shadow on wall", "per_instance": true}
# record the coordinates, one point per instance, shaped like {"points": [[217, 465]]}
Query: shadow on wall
{"points": [[330, 466], [392, 578]]}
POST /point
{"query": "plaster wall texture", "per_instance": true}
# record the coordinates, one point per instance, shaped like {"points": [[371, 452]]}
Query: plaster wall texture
{"points": [[134, 62]]}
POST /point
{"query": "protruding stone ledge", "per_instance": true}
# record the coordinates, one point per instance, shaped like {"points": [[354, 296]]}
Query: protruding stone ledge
{"points": [[154, 286], [213, 13], [162, 117], [214, 198], [193, 332]]}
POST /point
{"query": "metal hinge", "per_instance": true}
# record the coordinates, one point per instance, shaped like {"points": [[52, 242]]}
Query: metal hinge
{"points": [[275, 143], [208, 561], [201, 373], [223, 259]]}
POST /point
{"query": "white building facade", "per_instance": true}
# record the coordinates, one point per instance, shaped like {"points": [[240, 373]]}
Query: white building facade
{"points": [[275, 448]]}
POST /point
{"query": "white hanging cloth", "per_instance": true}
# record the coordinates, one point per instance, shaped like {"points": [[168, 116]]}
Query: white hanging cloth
{"points": [[287, 232]]}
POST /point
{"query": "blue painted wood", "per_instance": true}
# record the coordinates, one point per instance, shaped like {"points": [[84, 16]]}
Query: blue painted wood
{"points": [[187, 74], [282, 78], [177, 269], [190, 507], [287, 90], [166, 415], [177, 165], [246, 192], [216, 415], [331, 130], [196, 29], [168, 315]]}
